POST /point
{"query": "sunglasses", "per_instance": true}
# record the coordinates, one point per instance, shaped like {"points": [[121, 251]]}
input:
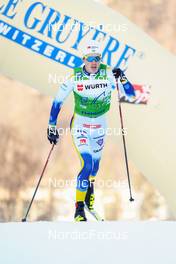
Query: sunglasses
{"points": [[93, 58]]}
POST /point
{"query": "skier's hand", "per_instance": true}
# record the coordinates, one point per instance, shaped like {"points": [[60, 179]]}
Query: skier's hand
{"points": [[117, 72], [52, 134]]}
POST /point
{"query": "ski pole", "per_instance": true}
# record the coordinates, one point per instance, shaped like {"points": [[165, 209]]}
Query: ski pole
{"points": [[24, 219], [124, 145]]}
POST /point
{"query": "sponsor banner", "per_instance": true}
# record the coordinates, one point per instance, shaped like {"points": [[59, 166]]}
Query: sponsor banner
{"points": [[39, 46]]}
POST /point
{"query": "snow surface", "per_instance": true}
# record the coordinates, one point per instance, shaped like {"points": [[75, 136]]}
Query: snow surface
{"points": [[91, 242]]}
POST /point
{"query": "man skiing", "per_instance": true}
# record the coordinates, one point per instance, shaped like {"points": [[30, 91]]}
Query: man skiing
{"points": [[91, 85]]}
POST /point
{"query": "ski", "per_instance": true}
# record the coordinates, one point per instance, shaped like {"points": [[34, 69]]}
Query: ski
{"points": [[94, 214]]}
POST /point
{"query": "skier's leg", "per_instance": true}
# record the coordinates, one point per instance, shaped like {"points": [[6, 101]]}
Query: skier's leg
{"points": [[82, 185], [97, 145], [82, 144], [83, 176]]}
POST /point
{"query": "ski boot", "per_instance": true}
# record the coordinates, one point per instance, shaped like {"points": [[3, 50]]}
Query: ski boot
{"points": [[79, 213], [90, 197], [89, 202]]}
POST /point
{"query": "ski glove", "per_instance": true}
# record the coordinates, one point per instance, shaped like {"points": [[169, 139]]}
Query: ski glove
{"points": [[52, 133], [117, 72], [127, 86]]}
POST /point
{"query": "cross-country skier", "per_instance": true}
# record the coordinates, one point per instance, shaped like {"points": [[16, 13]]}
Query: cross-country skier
{"points": [[91, 85]]}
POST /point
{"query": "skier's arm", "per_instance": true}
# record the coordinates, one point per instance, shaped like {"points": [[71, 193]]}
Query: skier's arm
{"points": [[58, 101], [62, 94]]}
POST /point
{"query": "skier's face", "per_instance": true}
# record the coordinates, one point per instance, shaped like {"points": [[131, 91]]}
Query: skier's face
{"points": [[92, 63]]}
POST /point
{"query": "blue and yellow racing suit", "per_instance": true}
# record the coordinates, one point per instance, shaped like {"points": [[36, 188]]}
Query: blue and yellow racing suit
{"points": [[92, 99]]}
